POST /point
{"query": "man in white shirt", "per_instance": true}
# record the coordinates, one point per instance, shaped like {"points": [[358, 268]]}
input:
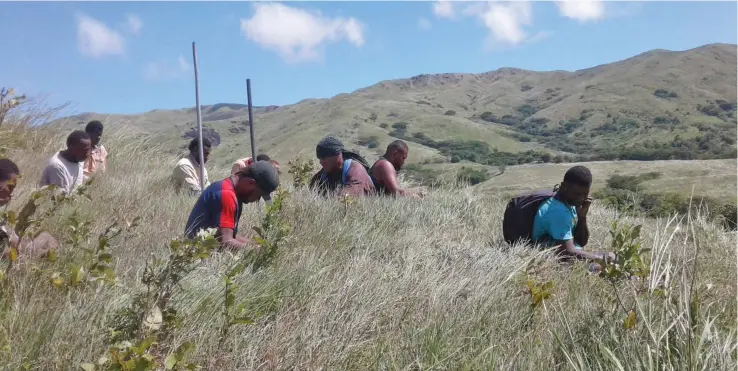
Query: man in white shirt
{"points": [[186, 174], [65, 169]]}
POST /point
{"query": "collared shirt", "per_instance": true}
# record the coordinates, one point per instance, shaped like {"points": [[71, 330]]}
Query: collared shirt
{"points": [[186, 175], [96, 161]]}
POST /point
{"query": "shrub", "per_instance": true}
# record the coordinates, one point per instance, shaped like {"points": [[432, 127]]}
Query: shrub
{"points": [[383, 125], [665, 94], [488, 116], [527, 110], [450, 113], [526, 87], [369, 142], [472, 176]]}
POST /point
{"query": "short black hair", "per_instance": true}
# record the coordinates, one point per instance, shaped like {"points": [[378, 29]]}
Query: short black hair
{"points": [[93, 126], [579, 175], [397, 144], [195, 143], [263, 157], [76, 136], [7, 168]]}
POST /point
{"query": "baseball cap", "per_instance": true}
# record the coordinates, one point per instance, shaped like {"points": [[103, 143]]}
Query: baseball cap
{"points": [[266, 177]]}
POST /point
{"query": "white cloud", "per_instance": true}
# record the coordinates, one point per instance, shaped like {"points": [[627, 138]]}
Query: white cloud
{"points": [[134, 24], [582, 10], [168, 70], [506, 21], [298, 35], [96, 40], [424, 24], [444, 9]]}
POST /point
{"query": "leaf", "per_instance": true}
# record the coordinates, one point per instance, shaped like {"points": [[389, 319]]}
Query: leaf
{"points": [[106, 257], [154, 319], [76, 273], [87, 366], [13, 254], [235, 271], [57, 280], [170, 362], [630, 320], [242, 321]]}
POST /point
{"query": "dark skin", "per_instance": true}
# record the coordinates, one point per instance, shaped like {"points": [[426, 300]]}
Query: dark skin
{"points": [[386, 172], [196, 154], [77, 152], [95, 136], [247, 192], [578, 196], [6, 189]]}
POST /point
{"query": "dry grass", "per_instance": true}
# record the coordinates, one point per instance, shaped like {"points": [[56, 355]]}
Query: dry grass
{"points": [[401, 285]]}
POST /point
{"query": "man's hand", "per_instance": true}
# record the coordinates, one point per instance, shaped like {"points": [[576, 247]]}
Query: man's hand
{"points": [[584, 209]]}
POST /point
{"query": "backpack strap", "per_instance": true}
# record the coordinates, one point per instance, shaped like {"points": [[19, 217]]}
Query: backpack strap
{"points": [[345, 170]]}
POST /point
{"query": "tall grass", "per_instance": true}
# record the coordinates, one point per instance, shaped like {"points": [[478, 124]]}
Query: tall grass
{"points": [[378, 284]]}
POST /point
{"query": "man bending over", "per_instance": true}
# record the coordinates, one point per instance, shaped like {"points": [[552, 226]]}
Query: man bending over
{"points": [[562, 220], [219, 206], [384, 171]]}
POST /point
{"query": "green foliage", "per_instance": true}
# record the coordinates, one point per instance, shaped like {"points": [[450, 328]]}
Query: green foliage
{"points": [[272, 232], [8, 102], [301, 172], [629, 254], [526, 87], [527, 110], [424, 176], [488, 116], [472, 176], [383, 125], [369, 142], [373, 117], [450, 113], [665, 94]]}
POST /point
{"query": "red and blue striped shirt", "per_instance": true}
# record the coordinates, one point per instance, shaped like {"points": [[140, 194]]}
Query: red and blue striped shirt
{"points": [[217, 207]]}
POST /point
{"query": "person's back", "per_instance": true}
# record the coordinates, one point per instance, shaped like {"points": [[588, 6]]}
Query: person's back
{"points": [[216, 207], [554, 221]]}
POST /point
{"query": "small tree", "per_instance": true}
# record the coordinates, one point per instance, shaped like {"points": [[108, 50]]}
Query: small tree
{"points": [[8, 102]]}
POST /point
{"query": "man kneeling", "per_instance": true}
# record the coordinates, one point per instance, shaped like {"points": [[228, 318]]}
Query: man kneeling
{"points": [[219, 206]]}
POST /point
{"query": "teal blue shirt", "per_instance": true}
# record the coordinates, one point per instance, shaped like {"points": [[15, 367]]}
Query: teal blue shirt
{"points": [[554, 221]]}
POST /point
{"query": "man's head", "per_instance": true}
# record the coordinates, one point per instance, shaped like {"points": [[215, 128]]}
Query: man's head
{"points": [[330, 153], [95, 130], [195, 149], [575, 187], [263, 157], [396, 154], [258, 180], [79, 145], [9, 173]]}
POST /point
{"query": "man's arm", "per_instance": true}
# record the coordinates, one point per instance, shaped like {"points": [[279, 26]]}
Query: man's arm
{"points": [[581, 232], [386, 172], [559, 228], [185, 174], [357, 182], [229, 241]]}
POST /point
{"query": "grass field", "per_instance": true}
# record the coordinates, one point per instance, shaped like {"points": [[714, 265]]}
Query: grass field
{"points": [[376, 284]]}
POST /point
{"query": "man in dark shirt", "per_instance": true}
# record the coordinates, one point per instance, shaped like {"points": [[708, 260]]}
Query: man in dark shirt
{"points": [[340, 175], [219, 206]]}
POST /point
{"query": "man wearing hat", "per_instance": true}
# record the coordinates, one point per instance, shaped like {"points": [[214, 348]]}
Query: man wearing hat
{"points": [[343, 172], [219, 206]]}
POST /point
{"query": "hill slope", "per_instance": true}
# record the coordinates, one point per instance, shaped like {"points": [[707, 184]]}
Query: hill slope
{"points": [[657, 105]]}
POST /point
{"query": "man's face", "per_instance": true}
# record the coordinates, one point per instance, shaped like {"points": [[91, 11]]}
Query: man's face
{"points": [[95, 136], [205, 152], [574, 194], [247, 190], [81, 150], [332, 164], [6, 189], [398, 158]]}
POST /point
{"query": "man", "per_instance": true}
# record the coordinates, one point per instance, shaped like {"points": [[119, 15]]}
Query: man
{"points": [[245, 162], [98, 155], [219, 206], [9, 174], [561, 220], [186, 173], [341, 175], [384, 171], [65, 168]]}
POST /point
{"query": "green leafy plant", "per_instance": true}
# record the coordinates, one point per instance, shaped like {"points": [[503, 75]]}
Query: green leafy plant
{"points": [[8, 102], [301, 172]]}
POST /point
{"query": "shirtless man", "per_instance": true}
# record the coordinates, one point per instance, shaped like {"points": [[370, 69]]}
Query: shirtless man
{"points": [[384, 171]]}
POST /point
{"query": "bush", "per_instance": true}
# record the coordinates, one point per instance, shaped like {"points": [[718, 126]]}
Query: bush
{"points": [[526, 87], [710, 110], [450, 113], [369, 142], [472, 176], [383, 125], [665, 94], [527, 110], [488, 116]]}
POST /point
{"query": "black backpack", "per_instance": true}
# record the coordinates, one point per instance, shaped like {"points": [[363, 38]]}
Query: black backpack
{"points": [[517, 224]]}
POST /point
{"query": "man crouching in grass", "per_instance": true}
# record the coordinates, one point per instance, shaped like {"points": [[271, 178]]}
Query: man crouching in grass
{"points": [[219, 205], [9, 174], [561, 221]]}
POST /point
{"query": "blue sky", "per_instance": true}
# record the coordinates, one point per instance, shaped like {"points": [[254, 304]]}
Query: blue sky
{"points": [[128, 57]]}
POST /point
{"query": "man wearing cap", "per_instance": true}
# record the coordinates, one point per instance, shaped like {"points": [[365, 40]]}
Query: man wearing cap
{"points": [[219, 206], [341, 174]]}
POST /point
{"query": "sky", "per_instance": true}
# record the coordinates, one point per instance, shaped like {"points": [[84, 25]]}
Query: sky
{"points": [[131, 57]]}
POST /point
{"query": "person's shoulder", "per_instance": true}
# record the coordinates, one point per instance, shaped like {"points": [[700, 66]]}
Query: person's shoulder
{"points": [[184, 161], [54, 161]]}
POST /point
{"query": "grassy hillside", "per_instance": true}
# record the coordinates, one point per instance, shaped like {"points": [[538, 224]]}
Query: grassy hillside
{"points": [[376, 284], [659, 105]]}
